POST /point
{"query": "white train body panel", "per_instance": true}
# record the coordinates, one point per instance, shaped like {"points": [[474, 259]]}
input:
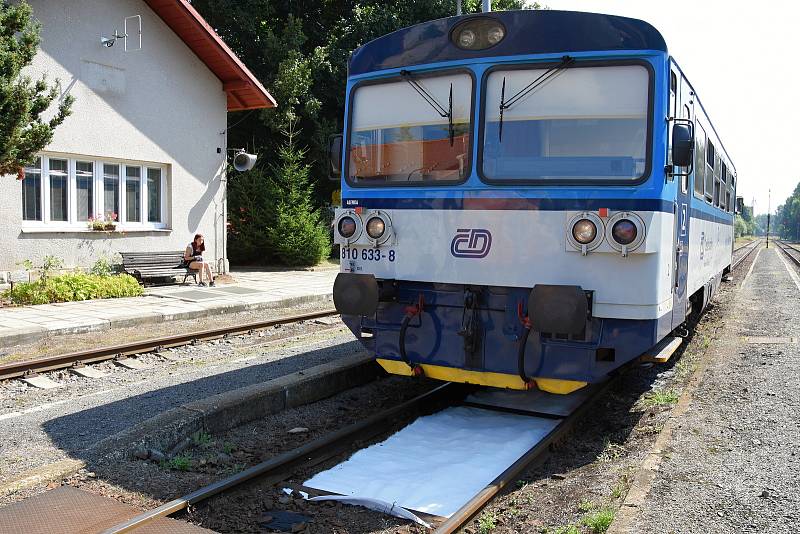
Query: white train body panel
{"points": [[528, 247], [710, 251]]}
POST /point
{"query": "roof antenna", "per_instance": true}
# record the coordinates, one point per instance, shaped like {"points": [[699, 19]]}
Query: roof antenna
{"points": [[487, 6]]}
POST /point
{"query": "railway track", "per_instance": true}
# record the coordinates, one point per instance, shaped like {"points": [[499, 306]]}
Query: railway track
{"points": [[744, 252], [77, 359], [790, 251], [283, 466]]}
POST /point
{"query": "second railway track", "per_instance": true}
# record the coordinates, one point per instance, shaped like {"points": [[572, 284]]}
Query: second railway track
{"points": [[65, 361]]}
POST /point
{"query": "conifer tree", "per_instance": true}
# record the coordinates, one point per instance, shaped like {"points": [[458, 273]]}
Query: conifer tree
{"points": [[298, 235], [23, 131]]}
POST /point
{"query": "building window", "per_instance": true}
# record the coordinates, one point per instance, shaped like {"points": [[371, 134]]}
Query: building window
{"points": [[133, 193], [58, 173], [110, 189], [62, 193], [153, 195], [84, 188], [32, 192]]}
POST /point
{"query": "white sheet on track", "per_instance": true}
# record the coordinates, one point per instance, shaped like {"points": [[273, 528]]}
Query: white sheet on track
{"points": [[438, 462]]}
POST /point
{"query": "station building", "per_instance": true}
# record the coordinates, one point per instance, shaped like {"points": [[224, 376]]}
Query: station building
{"points": [[146, 141]]}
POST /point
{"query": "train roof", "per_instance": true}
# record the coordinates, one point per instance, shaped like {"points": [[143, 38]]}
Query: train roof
{"points": [[527, 32]]}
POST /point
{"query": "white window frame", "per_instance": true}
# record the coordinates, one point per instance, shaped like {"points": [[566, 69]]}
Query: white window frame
{"points": [[98, 195]]}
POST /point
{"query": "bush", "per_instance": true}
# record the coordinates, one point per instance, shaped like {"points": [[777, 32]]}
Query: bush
{"points": [[72, 287]]}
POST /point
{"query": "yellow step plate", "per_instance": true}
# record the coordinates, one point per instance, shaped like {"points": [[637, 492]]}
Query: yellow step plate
{"points": [[663, 351], [482, 378]]}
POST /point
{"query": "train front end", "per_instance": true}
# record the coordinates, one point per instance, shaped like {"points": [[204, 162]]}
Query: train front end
{"points": [[505, 216]]}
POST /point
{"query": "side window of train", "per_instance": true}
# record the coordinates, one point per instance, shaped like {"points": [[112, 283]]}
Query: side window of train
{"points": [[710, 157], [673, 94], [699, 160], [685, 114], [717, 172], [723, 187]]}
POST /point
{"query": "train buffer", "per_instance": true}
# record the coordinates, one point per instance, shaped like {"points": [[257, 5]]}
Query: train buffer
{"points": [[69, 510], [663, 351]]}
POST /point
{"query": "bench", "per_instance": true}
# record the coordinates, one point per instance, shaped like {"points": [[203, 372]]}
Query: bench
{"points": [[156, 265]]}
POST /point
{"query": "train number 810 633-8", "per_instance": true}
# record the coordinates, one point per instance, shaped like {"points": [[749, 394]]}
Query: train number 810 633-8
{"points": [[368, 254]]}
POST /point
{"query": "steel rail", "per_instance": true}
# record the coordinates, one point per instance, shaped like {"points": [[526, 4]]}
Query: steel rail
{"points": [[785, 248], [280, 467], [63, 361], [753, 247]]}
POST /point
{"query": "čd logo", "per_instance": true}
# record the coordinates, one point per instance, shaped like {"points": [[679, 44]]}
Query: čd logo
{"points": [[471, 243]]}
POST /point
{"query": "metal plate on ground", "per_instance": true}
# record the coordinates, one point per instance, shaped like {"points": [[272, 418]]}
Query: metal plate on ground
{"points": [[194, 295], [534, 401], [88, 372], [446, 458], [41, 382], [236, 290], [770, 340], [131, 363], [68, 510]]}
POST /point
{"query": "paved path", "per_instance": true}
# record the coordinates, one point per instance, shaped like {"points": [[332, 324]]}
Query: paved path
{"points": [[253, 290], [733, 463]]}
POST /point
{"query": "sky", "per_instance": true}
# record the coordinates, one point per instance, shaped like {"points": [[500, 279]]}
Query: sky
{"points": [[741, 59]]}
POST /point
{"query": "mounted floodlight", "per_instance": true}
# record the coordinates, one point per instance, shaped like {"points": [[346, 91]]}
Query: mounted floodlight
{"points": [[242, 161], [135, 23]]}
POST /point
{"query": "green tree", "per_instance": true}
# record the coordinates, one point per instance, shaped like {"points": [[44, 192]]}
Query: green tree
{"points": [[250, 214], [298, 235], [23, 101]]}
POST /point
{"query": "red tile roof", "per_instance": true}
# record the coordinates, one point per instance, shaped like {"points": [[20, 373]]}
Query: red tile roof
{"points": [[243, 89]]}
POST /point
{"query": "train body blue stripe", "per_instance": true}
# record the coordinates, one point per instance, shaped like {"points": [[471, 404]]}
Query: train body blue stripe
{"points": [[505, 204]]}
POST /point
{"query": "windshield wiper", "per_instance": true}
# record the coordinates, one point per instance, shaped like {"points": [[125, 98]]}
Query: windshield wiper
{"points": [[566, 61], [432, 102]]}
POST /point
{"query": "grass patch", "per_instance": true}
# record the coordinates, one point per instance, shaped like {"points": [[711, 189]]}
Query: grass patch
{"points": [[611, 451], [228, 447], [71, 287], [486, 522], [586, 506], [660, 398], [182, 462], [566, 529], [599, 520], [201, 438]]}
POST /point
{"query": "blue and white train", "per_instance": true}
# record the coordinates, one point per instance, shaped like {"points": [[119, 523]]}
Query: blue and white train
{"points": [[529, 198]]}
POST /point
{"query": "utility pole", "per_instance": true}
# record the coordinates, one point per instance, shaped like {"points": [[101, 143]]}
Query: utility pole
{"points": [[769, 207]]}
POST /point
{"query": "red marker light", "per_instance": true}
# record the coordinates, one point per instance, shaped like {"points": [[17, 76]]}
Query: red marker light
{"points": [[359, 209], [603, 212]]}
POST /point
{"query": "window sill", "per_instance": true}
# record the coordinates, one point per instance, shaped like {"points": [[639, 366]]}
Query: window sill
{"points": [[67, 230]]}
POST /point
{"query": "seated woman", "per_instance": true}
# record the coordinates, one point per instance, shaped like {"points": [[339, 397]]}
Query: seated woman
{"points": [[193, 258]]}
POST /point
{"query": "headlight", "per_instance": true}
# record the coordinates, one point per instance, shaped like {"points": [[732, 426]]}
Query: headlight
{"points": [[584, 231], [376, 227], [495, 34], [466, 38], [624, 232], [347, 227], [478, 33]]}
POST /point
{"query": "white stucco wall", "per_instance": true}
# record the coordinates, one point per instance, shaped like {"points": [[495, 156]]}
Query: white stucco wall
{"points": [[160, 104]]}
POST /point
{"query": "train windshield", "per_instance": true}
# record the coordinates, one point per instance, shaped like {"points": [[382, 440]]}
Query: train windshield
{"points": [[582, 124], [411, 130]]}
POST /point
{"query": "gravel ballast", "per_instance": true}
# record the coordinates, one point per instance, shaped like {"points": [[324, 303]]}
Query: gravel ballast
{"points": [[733, 462]]}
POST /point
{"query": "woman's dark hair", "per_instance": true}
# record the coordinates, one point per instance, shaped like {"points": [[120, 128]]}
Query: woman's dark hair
{"points": [[202, 247]]}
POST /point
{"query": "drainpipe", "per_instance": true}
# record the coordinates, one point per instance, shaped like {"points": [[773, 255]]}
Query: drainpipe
{"points": [[487, 6], [458, 8]]}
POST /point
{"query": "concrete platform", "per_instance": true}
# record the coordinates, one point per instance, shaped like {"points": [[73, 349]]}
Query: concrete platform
{"points": [[252, 290]]}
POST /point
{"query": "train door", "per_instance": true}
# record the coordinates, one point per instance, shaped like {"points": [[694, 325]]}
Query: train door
{"points": [[681, 106]]}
